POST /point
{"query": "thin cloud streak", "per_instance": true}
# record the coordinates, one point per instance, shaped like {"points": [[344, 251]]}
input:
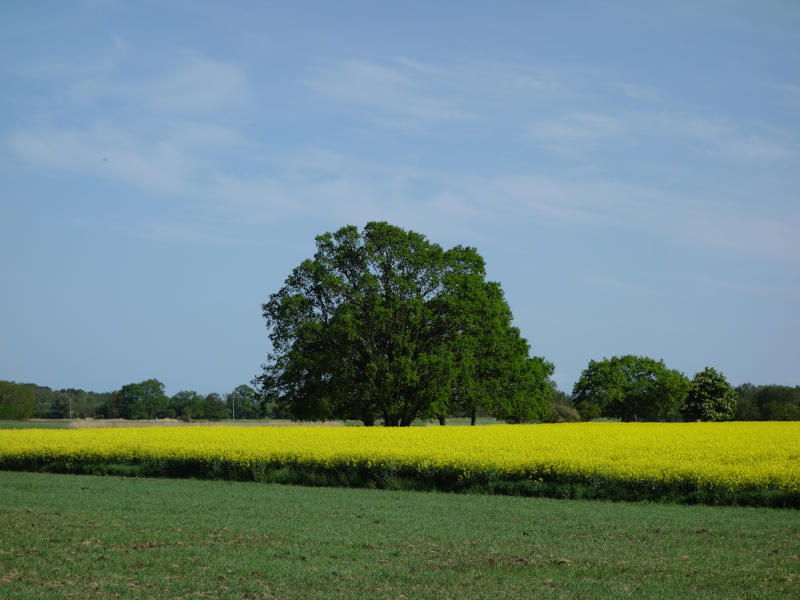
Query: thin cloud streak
{"points": [[335, 187], [383, 89], [408, 95], [313, 184], [195, 85]]}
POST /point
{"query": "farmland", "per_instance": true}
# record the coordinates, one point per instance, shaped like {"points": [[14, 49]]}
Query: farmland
{"points": [[140, 537], [715, 463], [104, 537]]}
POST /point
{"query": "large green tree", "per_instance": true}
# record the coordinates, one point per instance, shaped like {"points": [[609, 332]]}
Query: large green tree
{"points": [[710, 397], [383, 324], [631, 388]]}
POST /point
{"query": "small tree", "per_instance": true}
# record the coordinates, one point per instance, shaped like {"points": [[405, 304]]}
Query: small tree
{"points": [[710, 398]]}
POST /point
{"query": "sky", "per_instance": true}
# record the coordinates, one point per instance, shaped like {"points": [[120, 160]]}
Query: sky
{"points": [[629, 171]]}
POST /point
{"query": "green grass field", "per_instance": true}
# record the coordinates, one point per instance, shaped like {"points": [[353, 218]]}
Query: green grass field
{"points": [[34, 424], [69, 536]]}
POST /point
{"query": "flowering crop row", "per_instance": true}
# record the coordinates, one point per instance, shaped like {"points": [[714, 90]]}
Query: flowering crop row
{"points": [[688, 457]]}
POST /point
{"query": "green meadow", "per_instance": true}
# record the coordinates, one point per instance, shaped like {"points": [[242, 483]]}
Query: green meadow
{"points": [[72, 536]]}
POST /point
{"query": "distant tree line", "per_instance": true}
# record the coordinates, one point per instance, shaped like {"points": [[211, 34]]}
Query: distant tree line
{"points": [[143, 400], [641, 398], [639, 388]]}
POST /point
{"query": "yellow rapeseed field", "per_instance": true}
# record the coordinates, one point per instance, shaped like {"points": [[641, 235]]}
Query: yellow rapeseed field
{"points": [[733, 456]]}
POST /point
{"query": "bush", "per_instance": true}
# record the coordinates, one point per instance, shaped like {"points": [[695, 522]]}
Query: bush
{"points": [[563, 413]]}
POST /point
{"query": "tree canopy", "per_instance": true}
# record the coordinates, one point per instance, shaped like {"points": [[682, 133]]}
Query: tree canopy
{"points": [[384, 324], [16, 401], [144, 400], [631, 388], [710, 397], [768, 402], [243, 403]]}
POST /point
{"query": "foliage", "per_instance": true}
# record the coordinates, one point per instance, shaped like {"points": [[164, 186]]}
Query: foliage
{"points": [[214, 408], [746, 408], [778, 402], [243, 403], [561, 408], [710, 398], [768, 402], [563, 413], [386, 325], [16, 401], [186, 405], [716, 463], [145, 400], [66, 403], [631, 388]]}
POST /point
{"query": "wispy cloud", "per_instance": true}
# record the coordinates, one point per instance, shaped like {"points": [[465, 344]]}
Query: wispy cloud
{"points": [[637, 91], [181, 151], [618, 286], [579, 119], [717, 137], [197, 85], [192, 234], [328, 186], [411, 95], [577, 131], [748, 288], [173, 163], [577, 134], [771, 238], [394, 93]]}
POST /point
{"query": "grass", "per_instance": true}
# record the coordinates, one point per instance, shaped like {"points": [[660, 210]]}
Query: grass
{"points": [[35, 424], [64, 536]]}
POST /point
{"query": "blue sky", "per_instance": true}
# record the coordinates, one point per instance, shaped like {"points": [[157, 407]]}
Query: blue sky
{"points": [[628, 170]]}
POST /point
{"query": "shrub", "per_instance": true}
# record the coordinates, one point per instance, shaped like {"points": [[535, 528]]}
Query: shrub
{"points": [[563, 413]]}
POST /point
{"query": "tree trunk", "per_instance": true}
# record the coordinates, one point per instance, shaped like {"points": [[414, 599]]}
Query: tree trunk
{"points": [[441, 421], [473, 416]]}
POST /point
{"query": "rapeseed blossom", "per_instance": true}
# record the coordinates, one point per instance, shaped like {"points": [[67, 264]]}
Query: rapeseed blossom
{"points": [[733, 456]]}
